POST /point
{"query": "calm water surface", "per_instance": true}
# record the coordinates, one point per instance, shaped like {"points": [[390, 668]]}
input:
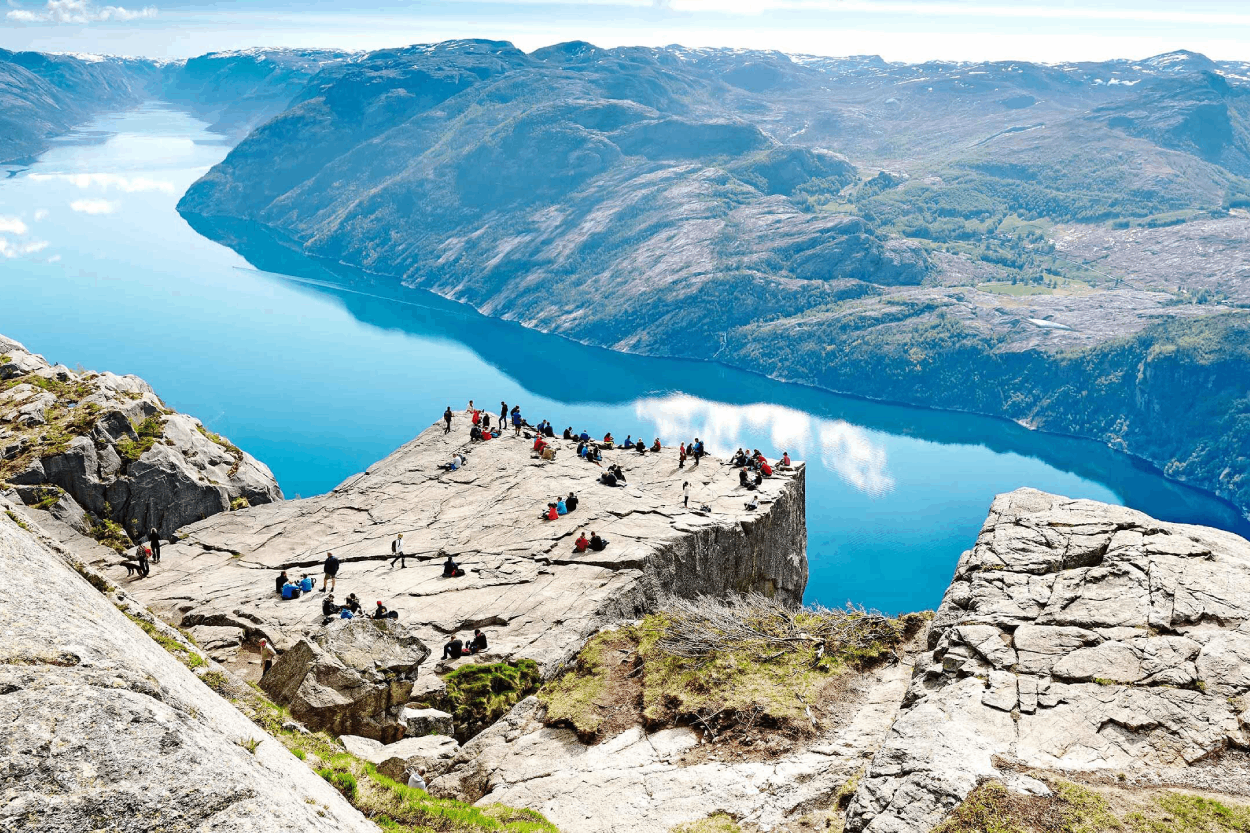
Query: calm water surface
{"points": [[320, 374]]}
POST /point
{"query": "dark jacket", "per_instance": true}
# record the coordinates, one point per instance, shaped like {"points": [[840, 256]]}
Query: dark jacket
{"points": [[332, 566]]}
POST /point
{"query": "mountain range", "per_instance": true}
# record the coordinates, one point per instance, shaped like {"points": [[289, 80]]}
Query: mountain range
{"points": [[958, 235]]}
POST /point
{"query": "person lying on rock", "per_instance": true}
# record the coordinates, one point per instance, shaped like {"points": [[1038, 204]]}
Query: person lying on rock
{"points": [[451, 569], [328, 607], [454, 649], [479, 642], [581, 543], [596, 543], [280, 582]]}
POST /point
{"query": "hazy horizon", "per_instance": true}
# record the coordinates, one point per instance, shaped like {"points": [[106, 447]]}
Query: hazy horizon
{"points": [[911, 31]]}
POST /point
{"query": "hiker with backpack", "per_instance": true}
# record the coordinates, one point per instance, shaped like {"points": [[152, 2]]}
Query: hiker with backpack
{"points": [[397, 548]]}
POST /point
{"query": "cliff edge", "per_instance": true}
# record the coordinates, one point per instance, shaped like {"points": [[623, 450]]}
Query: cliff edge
{"points": [[525, 585], [1076, 637]]}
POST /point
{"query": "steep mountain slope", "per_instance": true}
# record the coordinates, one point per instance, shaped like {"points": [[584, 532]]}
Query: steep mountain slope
{"points": [[732, 205], [44, 95]]}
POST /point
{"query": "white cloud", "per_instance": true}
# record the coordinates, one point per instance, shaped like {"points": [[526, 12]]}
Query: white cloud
{"points": [[847, 450], [78, 12], [54, 259], [41, 214], [12, 225], [128, 184], [94, 206], [9, 249]]}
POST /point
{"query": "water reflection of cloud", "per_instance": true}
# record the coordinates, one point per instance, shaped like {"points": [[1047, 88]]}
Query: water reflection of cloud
{"points": [[127, 184], [847, 450], [93, 206], [12, 225]]}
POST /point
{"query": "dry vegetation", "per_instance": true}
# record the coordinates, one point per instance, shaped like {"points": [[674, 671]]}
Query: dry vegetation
{"points": [[745, 670], [1076, 808]]}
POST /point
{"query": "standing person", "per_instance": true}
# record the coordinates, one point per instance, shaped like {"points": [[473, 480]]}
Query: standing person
{"points": [[681, 456], [447, 420], [698, 450], [154, 539], [516, 420], [685, 495], [267, 656], [331, 571], [397, 547], [503, 414], [143, 554]]}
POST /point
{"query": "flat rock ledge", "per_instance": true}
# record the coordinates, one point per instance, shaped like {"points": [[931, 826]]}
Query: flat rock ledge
{"points": [[104, 730], [1076, 636], [524, 584]]}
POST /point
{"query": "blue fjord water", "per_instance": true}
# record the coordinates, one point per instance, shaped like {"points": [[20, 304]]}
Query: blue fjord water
{"points": [[320, 373]]}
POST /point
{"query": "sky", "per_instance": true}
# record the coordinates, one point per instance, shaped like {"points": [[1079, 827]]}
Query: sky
{"points": [[898, 30]]}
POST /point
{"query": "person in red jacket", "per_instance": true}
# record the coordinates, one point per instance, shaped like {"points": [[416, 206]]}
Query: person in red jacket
{"points": [[581, 543]]}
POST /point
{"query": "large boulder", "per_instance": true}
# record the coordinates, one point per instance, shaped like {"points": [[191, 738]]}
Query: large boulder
{"points": [[421, 722], [104, 730], [1075, 636], [433, 753], [351, 677]]}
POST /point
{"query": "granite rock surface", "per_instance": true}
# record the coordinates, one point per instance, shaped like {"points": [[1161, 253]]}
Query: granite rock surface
{"points": [[1076, 636], [524, 584], [105, 730]]}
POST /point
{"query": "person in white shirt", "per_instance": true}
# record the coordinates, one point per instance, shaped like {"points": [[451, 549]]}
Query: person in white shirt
{"points": [[397, 547], [416, 779]]}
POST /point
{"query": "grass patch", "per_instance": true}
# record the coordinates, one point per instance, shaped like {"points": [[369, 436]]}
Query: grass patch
{"points": [[234, 450], [715, 823], [479, 695], [111, 534], [736, 664], [15, 519], [250, 744], [184, 654], [1076, 808], [238, 503], [149, 431]]}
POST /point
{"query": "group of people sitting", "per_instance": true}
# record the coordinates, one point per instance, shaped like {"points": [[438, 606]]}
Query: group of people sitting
{"points": [[543, 449], [594, 542], [589, 451], [455, 647], [560, 506], [614, 476], [289, 588]]}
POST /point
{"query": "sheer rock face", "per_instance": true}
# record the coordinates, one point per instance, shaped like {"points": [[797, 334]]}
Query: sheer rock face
{"points": [[1075, 636], [351, 678], [524, 584], [77, 432], [105, 730]]}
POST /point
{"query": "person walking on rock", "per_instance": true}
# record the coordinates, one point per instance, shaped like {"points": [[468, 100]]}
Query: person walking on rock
{"points": [[447, 420], [154, 539], [503, 415], [685, 495], [267, 656], [397, 547], [331, 571]]}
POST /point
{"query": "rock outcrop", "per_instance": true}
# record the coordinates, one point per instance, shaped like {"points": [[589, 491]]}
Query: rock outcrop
{"points": [[640, 781], [104, 448], [525, 585], [104, 730], [351, 677], [1075, 636]]}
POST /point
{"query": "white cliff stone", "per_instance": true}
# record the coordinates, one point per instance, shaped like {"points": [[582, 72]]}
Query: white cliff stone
{"points": [[1131, 656], [107, 731], [524, 585]]}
